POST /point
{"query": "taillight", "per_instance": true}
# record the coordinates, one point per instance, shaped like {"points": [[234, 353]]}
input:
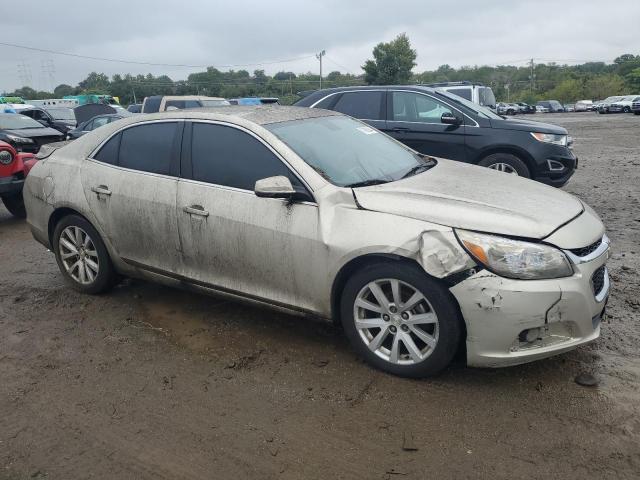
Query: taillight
{"points": [[6, 157]]}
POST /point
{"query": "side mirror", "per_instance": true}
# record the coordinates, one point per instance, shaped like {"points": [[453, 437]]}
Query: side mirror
{"points": [[449, 118], [274, 187]]}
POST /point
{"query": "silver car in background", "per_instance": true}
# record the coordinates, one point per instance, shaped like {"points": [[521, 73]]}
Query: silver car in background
{"points": [[316, 212]]}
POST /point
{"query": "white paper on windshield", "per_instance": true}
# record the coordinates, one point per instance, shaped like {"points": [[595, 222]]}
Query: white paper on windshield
{"points": [[366, 130]]}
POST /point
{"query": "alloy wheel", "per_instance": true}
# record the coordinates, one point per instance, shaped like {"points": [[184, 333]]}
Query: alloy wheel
{"points": [[503, 167], [396, 321], [79, 255]]}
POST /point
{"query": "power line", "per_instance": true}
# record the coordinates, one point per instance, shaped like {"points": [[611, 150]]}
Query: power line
{"points": [[132, 62]]}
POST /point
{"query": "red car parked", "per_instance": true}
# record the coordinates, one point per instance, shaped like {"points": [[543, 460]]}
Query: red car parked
{"points": [[14, 167]]}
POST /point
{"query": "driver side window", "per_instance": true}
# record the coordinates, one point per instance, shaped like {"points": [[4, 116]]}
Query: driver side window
{"points": [[413, 107]]}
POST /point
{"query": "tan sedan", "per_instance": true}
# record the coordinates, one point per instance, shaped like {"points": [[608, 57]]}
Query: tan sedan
{"points": [[316, 212]]}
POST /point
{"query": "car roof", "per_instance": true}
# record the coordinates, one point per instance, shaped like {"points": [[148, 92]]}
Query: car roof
{"points": [[376, 87], [259, 114]]}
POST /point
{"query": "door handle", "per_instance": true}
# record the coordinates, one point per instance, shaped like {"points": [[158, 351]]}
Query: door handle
{"points": [[196, 210], [101, 190]]}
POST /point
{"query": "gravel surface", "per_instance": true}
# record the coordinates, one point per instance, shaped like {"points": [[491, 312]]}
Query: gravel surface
{"points": [[152, 383]]}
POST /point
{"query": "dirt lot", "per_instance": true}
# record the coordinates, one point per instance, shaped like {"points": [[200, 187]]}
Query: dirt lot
{"points": [[149, 383]]}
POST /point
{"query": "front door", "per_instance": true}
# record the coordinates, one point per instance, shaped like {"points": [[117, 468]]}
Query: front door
{"points": [[233, 240], [131, 187], [414, 119]]}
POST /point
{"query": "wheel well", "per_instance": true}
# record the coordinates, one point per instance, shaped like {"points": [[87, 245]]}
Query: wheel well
{"points": [[521, 154], [56, 216], [375, 258]]}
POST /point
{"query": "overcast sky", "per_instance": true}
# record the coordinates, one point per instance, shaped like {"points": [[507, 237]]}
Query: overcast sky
{"points": [[238, 32]]}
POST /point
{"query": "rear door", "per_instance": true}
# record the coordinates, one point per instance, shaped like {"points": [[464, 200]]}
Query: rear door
{"points": [[415, 119], [130, 184]]}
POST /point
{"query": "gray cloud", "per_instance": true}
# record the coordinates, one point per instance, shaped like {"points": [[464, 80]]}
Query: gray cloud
{"points": [[220, 33]]}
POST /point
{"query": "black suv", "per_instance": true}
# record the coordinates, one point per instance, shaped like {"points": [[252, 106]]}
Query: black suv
{"points": [[437, 123]]}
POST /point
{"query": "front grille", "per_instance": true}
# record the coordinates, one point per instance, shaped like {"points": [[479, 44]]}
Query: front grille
{"points": [[597, 280], [589, 249]]}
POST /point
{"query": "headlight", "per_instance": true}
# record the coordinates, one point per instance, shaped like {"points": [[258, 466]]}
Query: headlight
{"points": [[15, 138], [550, 138], [515, 258], [6, 157]]}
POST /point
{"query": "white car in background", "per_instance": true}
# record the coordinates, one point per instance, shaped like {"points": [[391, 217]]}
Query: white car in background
{"points": [[583, 106], [624, 104]]}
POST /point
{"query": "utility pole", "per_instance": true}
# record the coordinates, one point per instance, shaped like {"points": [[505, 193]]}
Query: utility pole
{"points": [[532, 85], [319, 57]]}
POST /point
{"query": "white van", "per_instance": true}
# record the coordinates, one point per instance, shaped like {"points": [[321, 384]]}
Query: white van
{"points": [[472, 91], [55, 102]]}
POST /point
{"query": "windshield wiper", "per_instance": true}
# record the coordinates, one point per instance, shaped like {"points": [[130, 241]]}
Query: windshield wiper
{"points": [[366, 183], [417, 169]]}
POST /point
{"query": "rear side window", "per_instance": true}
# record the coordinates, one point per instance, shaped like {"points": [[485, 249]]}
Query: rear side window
{"points": [[362, 105], [180, 104], [151, 104], [109, 151], [326, 102], [149, 147], [227, 156], [461, 92]]}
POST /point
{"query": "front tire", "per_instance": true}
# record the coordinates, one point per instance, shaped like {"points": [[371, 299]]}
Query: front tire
{"points": [[82, 256], [507, 163], [400, 320], [15, 204]]}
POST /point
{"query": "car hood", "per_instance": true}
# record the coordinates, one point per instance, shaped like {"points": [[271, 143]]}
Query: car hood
{"points": [[34, 132], [527, 126], [474, 198]]}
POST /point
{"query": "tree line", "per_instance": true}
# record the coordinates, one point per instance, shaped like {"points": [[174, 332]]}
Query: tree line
{"points": [[392, 63]]}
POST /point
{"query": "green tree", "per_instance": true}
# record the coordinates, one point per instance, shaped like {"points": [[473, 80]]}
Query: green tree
{"points": [[392, 62], [95, 82], [604, 86], [62, 90], [633, 80], [569, 90]]}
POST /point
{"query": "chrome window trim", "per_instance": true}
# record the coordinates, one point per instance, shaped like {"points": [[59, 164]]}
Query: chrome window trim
{"points": [[141, 172], [396, 90], [197, 120], [131, 125], [264, 142], [601, 250], [350, 91]]}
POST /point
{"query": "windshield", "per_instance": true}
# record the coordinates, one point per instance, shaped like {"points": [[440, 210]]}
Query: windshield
{"points": [[214, 103], [611, 99], [14, 121], [62, 113], [347, 152], [481, 111]]}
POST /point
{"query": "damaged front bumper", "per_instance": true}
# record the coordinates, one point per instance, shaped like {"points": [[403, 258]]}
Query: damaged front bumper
{"points": [[510, 322]]}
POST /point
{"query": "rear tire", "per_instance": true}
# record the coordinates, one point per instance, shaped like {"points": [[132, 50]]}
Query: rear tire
{"points": [[15, 204], [82, 256], [506, 162], [416, 338]]}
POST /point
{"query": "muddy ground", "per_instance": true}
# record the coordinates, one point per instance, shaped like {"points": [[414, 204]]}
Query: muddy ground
{"points": [[152, 383]]}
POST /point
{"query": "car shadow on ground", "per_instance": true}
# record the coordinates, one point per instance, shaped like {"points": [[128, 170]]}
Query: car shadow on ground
{"points": [[202, 323]]}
